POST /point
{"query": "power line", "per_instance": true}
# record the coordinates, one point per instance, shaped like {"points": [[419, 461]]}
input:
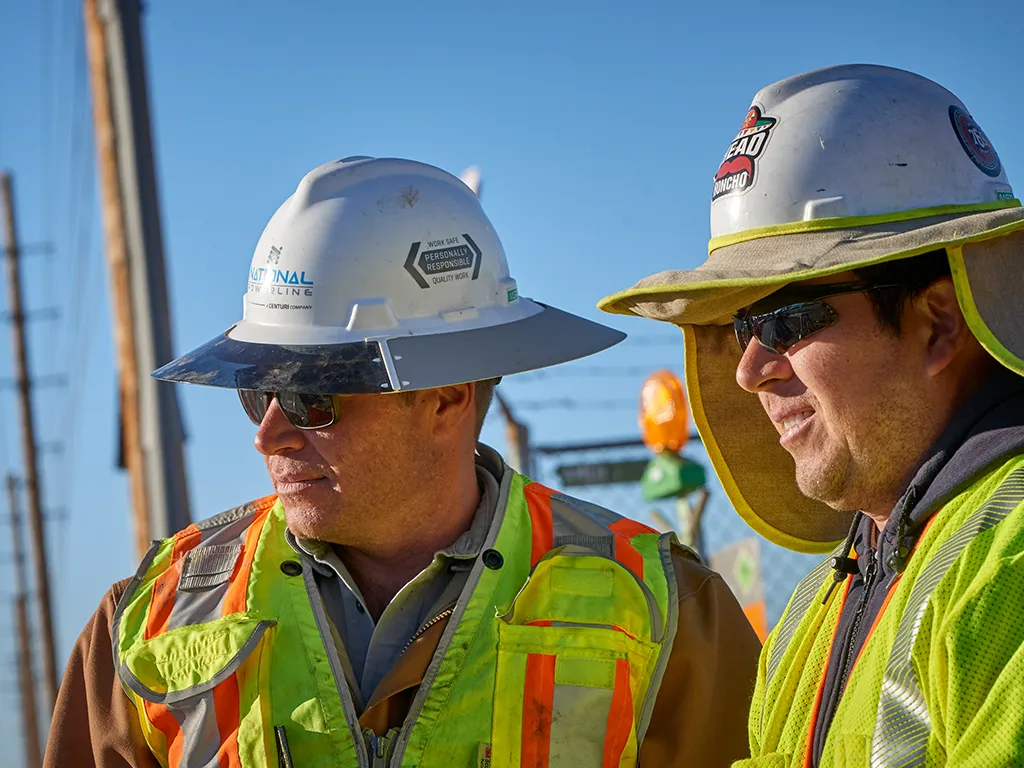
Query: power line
{"points": [[572, 404], [570, 370], [82, 253], [655, 340]]}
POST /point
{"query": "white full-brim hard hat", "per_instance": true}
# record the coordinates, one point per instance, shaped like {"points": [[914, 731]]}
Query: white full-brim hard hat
{"points": [[830, 171], [383, 275]]}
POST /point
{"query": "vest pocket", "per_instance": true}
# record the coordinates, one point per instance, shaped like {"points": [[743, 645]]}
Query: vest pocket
{"points": [[574, 661], [195, 684]]}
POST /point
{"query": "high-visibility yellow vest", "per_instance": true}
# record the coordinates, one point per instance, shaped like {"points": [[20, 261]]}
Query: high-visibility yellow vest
{"points": [[940, 679], [555, 658]]}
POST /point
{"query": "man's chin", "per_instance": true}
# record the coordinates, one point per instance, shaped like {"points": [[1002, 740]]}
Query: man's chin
{"points": [[824, 484], [305, 518]]}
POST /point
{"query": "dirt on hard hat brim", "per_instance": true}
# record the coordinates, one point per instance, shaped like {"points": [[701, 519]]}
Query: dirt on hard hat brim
{"points": [[546, 337], [986, 252]]}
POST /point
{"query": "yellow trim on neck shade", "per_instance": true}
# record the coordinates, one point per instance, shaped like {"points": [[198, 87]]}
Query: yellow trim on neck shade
{"points": [[975, 322], [850, 222]]}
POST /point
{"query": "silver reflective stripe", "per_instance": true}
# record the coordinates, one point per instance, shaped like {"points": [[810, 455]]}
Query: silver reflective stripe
{"points": [[126, 598], [206, 567], [903, 724], [603, 545], [579, 721], [802, 599], [201, 737], [666, 543], [799, 604]]}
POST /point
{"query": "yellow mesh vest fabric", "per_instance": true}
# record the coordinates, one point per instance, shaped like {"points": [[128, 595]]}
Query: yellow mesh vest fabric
{"points": [[946, 657], [556, 654]]}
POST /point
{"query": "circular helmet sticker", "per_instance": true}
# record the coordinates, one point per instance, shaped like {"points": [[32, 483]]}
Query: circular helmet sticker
{"points": [[975, 142]]}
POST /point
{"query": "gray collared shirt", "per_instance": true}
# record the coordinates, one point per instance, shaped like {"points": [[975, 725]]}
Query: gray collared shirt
{"points": [[367, 649]]}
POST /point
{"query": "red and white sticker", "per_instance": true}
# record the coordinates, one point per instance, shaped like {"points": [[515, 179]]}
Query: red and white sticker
{"points": [[738, 170], [975, 142]]}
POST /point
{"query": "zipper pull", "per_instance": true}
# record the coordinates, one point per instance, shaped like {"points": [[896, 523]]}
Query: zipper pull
{"points": [[379, 747]]}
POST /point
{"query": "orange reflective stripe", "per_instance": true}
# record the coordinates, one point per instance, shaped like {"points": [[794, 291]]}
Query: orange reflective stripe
{"points": [[538, 699], [225, 694], [630, 528], [225, 702], [538, 501], [809, 751], [625, 552], [620, 717], [236, 599], [168, 725], [166, 584]]}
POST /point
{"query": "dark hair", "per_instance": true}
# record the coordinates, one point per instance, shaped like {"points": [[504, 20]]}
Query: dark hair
{"points": [[911, 277]]}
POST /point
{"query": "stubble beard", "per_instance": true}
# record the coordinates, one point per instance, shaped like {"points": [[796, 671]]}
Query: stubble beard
{"points": [[823, 477]]}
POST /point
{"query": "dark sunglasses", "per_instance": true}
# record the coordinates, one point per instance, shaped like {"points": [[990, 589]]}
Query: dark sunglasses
{"points": [[793, 313], [302, 411]]}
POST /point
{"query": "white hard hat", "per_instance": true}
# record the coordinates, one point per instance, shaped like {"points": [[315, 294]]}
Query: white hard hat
{"points": [[380, 275], [831, 171], [853, 141]]}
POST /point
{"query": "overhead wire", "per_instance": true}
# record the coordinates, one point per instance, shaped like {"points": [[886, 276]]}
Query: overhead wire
{"points": [[570, 370], [572, 404], [47, 148], [654, 340], [79, 315]]}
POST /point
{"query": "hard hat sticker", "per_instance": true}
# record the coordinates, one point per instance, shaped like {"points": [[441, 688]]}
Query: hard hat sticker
{"points": [[444, 261], [975, 142], [737, 172], [272, 281]]}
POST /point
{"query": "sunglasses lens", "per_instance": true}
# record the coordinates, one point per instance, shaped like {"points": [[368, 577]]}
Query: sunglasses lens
{"points": [[743, 330], [255, 404], [781, 329], [307, 411]]}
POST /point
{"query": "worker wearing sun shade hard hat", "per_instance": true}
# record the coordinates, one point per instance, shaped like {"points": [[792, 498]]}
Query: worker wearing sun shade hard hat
{"points": [[866, 255], [406, 598]]}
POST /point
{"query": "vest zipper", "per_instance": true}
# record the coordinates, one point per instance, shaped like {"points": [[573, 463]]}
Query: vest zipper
{"points": [[422, 630], [869, 583], [858, 616], [380, 747]]}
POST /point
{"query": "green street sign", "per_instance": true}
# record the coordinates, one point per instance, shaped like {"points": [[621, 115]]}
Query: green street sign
{"points": [[602, 473], [669, 474]]}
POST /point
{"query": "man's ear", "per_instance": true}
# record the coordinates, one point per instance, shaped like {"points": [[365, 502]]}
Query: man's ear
{"points": [[452, 407], [943, 325]]}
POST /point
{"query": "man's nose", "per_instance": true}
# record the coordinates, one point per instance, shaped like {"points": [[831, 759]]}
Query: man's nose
{"points": [[276, 435], [760, 366]]}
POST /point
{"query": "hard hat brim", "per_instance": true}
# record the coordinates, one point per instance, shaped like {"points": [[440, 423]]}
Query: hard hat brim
{"points": [[411, 362]]}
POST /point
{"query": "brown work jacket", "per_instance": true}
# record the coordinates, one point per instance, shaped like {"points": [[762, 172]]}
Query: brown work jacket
{"points": [[699, 719]]}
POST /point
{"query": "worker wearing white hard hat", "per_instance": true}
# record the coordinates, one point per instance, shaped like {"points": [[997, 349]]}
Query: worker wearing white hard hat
{"points": [[405, 597], [854, 352]]}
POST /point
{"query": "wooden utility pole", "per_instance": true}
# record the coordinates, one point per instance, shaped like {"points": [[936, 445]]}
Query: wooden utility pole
{"points": [[151, 431], [117, 265], [28, 441], [518, 436], [26, 669]]}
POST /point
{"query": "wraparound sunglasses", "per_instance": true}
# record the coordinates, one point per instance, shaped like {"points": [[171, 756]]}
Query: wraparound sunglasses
{"points": [[302, 411], [792, 314]]}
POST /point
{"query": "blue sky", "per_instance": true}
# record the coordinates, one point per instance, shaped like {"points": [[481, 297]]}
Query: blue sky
{"points": [[598, 127]]}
